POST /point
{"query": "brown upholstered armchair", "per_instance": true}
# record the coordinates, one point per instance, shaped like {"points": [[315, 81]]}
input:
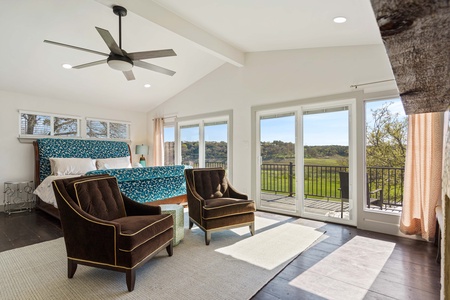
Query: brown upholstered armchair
{"points": [[213, 203], [104, 228]]}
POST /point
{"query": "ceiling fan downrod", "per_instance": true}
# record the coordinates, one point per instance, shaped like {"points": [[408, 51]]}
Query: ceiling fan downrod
{"points": [[121, 12]]}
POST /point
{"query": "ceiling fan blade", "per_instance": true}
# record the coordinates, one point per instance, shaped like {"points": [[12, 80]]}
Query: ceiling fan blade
{"points": [[94, 63], [109, 40], [151, 54], [129, 75], [152, 67], [76, 48]]}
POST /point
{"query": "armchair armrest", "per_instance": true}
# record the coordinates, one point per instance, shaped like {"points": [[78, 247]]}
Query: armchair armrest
{"points": [[378, 200], [87, 237], [134, 208], [376, 191], [379, 192]]}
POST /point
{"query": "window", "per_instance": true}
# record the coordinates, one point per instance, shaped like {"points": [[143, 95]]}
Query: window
{"points": [[216, 146], [106, 129], [169, 145], [204, 142], [386, 137], [190, 151], [45, 124], [96, 129], [118, 131]]}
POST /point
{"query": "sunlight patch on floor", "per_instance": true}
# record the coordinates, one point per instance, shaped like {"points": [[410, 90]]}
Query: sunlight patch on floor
{"points": [[348, 271]]}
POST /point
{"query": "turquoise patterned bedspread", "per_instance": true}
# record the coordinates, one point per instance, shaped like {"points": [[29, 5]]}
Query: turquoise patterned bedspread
{"points": [[150, 183], [140, 184]]}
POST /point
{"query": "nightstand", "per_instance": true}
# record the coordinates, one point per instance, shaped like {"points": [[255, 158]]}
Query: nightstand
{"points": [[18, 196]]}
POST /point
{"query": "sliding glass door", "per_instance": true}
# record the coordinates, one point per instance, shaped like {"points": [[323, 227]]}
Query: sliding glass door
{"points": [[277, 185], [216, 144], [190, 151], [304, 162], [204, 143], [326, 184]]}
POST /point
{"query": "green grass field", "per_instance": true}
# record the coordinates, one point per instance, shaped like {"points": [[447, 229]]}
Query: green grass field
{"points": [[323, 162], [323, 182]]}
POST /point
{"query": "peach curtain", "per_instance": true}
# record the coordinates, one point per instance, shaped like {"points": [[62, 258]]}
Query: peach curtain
{"points": [[423, 174], [158, 141]]}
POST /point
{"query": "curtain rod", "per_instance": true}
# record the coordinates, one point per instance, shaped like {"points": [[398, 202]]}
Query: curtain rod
{"points": [[367, 83], [168, 117]]}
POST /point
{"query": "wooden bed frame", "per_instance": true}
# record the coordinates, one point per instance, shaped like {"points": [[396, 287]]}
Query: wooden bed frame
{"points": [[53, 211]]}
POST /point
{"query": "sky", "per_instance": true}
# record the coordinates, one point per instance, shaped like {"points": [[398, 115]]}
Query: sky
{"points": [[216, 133], [318, 129]]}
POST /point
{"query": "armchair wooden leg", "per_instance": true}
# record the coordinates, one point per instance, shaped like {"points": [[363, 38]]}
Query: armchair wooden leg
{"points": [[131, 279], [207, 237], [71, 268], [252, 228], [170, 248], [190, 224]]}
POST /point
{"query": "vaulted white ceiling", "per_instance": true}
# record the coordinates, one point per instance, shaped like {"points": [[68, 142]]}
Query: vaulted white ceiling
{"points": [[204, 33]]}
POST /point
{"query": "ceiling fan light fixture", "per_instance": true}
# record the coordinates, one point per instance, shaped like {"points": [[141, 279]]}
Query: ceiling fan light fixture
{"points": [[67, 66], [340, 20], [120, 63], [147, 85]]}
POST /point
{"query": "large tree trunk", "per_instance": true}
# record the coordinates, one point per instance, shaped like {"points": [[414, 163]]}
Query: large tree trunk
{"points": [[417, 39]]}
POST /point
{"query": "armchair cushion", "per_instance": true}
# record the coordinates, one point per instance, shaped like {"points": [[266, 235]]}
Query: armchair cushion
{"points": [[211, 183], [137, 230], [98, 196], [223, 207]]}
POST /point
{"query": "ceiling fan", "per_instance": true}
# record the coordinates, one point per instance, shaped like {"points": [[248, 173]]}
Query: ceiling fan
{"points": [[119, 59]]}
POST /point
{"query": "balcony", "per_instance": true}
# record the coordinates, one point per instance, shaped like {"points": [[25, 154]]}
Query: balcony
{"points": [[322, 187]]}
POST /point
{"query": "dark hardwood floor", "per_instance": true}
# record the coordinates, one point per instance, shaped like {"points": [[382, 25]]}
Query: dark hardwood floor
{"points": [[410, 272]]}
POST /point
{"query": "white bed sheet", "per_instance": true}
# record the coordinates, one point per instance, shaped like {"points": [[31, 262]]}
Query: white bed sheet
{"points": [[45, 189]]}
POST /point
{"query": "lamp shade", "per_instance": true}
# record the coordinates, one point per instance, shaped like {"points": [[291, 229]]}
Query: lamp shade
{"points": [[142, 149]]}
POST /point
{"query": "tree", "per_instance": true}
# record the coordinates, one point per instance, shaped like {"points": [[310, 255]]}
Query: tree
{"points": [[386, 138]]}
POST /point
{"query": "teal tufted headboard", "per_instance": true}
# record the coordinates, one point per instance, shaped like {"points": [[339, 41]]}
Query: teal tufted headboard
{"points": [[48, 147]]}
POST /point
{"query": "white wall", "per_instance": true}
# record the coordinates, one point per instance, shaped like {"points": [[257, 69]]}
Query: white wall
{"points": [[272, 77], [17, 158]]}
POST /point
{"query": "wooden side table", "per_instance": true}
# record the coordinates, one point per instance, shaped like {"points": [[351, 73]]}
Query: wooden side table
{"points": [[177, 212], [18, 196]]}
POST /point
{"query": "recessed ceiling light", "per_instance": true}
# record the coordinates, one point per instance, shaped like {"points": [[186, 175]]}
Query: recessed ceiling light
{"points": [[67, 66], [147, 85], [340, 20]]}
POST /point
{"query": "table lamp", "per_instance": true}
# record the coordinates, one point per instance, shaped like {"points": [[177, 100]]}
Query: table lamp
{"points": [[143, 150]]}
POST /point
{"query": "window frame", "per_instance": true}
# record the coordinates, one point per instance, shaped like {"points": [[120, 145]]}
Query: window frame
{"points": [[201, 120], [169, 122], [108, 129], [52, 125]]}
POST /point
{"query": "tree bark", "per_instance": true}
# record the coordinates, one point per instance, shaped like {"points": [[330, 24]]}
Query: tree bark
{"points": [[416, 34]]}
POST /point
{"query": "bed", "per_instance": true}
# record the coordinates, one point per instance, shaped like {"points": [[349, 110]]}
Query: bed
{"points": [[149, 185]]}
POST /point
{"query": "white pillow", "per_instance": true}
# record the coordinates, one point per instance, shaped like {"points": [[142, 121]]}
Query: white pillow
{"points": [[71, 166], [113, 163]]}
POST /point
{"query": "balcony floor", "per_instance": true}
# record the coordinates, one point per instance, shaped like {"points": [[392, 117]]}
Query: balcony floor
{"points": [[331, 208]]}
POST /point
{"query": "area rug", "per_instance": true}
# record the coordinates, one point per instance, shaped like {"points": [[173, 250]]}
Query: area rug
{"points": [[234, 266]]}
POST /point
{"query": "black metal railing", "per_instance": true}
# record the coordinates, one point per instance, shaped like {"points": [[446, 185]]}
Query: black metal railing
{"points": [[207, 164], [322, 182], [390, 180]]}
